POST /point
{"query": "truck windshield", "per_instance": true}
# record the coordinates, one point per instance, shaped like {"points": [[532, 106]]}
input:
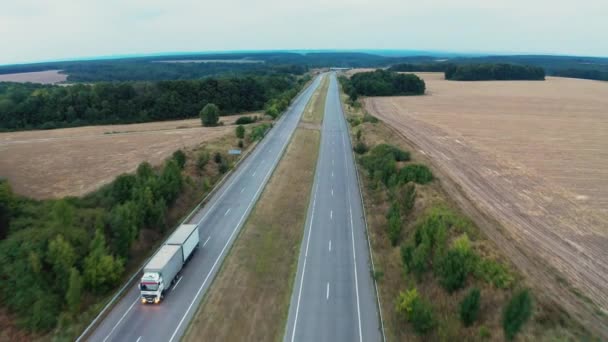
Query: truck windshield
{"points": [[148, 286]]}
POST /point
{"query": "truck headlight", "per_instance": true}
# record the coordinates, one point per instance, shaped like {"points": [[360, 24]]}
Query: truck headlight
{"points": [[143, 300], [156, 300]]}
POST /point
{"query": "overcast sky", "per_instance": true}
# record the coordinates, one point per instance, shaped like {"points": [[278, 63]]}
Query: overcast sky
{"points": [[39, 30]]}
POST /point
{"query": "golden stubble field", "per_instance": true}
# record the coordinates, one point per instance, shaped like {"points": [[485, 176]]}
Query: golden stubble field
{"points": [[75, 161], [46, 77], [533, 156]]}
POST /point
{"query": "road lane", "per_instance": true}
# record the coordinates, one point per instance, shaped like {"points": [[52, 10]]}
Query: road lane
{"points": [[334, 298], [219, 222]]}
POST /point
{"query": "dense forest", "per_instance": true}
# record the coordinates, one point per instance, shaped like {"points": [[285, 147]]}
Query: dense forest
{"points": [[422, 67], [153, 68], [56, 256], [487, 72], [31, 106], [382, 83], [581, 73]]}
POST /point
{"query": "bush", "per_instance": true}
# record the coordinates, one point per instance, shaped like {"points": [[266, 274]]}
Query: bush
{"points": [[517, 313], [394, 224], [422, 316], [180, 158], [210, 115], [406, 197], [244, 120], [469, 307], [405, 303], [369, 118], [493, 272], [452, 270], [224, 166], [359, 135], [217, 157], [201, 161], [415, 173], [258, 132], [240, 131], [240, 144], [360, 147]]}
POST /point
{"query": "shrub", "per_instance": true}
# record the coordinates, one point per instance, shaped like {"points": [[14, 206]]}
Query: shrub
{"points": [[201, 160], [405, 303], [394, 224], [359, 135], [415, 173], [453, 269], [180, 158], [406, 196], [217, 157], [360, 147], [224, 166], [422, 316], [210, 115], [244, 120], [484, 332], [493, 272], [258, 132], [516, 313], [469, 307], [240, 131], [369, 118], [240, 144]]}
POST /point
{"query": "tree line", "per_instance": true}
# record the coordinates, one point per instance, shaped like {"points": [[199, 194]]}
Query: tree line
{"points": [[590, 74], [499, 71], [382, 83], [422, 67], [34, 106], [56, 256]]}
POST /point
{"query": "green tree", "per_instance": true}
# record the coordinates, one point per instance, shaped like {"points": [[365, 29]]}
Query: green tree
{"points": [[453, 269], [101, 270], [170, 181], [180, 157], [123, 227], [201, 161], [74, 291], [240, 131], [517, 313], [422, 316], [210, 115], [7, 204], [469, 307], [61, 256]]}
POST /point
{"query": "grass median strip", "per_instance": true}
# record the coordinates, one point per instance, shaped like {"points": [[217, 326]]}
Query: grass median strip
{"points": [[249, 299], [313, 113]]}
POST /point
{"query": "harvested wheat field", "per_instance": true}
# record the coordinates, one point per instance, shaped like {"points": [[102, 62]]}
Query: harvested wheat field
{"points": [[533, 156], [45, 77], [75, 161]]}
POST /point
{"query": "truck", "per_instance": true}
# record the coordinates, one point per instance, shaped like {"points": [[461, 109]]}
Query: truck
{"points": [[162, 269]]}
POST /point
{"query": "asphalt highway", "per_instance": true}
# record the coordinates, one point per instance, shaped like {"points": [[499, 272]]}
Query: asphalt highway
{"points": [[219, 222], [334, 297]]}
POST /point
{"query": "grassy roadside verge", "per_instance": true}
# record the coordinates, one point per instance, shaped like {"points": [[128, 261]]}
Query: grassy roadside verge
{"points": [[249, 299], [398, 283], [313, 113]]}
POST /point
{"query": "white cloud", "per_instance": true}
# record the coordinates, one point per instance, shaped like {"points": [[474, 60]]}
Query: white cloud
{"points": [[33, 30]]}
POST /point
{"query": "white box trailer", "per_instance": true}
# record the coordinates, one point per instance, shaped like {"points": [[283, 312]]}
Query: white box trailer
{"points": [[186, 236], [160, 273]]}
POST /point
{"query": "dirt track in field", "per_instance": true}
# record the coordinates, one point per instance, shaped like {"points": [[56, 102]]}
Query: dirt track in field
{"points": [[45, 77], [75, 161], [533, 157]]}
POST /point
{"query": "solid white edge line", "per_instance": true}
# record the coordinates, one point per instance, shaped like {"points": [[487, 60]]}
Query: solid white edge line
{"points": [[282, 149], [312, 217], [369, 246], [352, 231], [231, 181], [121, 318]]}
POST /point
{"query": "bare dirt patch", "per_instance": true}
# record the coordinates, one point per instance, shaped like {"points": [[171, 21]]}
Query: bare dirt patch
{"points": [[45, 77], [528, 155], [250, 297], [75, 161]]}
